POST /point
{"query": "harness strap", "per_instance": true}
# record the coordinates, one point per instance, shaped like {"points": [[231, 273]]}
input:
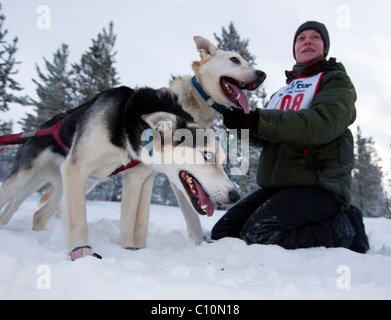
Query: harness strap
{"points": [[218, 107], [20, 138], [55, 132], [16, 138], [131, 164]]}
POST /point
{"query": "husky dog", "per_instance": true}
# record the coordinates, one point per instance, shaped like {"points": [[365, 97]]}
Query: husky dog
{"points": [[99, 137], [220, 76]]}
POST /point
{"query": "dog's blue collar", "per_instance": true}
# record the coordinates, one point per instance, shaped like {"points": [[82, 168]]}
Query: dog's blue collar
{"points": [[218, 107], [147, 142]]}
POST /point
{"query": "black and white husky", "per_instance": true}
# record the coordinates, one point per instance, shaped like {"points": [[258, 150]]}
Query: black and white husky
{"points": [[101, 136]]}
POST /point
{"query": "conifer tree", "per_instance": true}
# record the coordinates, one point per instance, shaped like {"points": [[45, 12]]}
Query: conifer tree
{"points": [[96, 71], [367, 189], [231, 41], [8, 85], [61, 88], [54, 90]]}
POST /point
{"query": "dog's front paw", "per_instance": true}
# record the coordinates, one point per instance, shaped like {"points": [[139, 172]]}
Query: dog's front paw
{"points": [[132, 248], [83, 251], [206, 238]]}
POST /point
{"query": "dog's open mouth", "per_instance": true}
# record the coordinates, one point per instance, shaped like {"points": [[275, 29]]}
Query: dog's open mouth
{"points": [[233, 90], [199, 198]]}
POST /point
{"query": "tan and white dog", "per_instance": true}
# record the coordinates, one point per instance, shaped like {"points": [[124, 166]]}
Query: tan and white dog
{"points": [[220, 76]]}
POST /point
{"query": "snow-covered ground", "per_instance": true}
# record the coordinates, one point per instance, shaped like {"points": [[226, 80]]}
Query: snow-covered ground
{"points": [[35, 265]]}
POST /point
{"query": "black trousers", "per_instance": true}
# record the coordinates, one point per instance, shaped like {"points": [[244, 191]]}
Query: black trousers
{"points": [[293, 217]]}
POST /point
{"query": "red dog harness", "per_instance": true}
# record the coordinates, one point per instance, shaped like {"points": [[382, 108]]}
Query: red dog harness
{"points": [[20, 138]]}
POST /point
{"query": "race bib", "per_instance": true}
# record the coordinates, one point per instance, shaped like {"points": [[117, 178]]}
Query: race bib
{"points": [[298, 95]]}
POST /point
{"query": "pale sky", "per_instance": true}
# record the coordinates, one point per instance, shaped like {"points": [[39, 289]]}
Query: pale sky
{"points": [[155, 40]]}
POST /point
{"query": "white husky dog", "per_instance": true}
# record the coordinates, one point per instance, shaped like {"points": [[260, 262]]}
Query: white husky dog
{"points": [[99, 137]]}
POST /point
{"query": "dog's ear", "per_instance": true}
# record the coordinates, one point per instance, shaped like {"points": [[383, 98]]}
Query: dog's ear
{"points": [[164, 122], [205, 47]]}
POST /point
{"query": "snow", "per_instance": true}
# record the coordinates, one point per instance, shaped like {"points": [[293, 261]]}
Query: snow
{"points": [[35, 265]]}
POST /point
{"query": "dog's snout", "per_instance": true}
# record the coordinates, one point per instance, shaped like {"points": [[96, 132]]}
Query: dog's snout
{"points": [[261, 75], [234, 196]]}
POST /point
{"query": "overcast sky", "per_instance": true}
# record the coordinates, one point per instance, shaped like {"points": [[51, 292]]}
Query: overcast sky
{"points": [[155, 40]]}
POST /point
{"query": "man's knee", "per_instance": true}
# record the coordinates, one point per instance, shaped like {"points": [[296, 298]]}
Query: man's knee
{"points": [[264, 231]]}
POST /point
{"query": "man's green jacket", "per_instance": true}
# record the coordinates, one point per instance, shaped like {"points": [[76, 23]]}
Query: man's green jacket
{"points": [[314, 146]]}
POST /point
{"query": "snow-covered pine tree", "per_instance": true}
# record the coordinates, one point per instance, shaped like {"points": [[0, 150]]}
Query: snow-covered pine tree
{"points": [[96, 71], [8, 85], [8, 88], [60, 89], [54, 90], [367, 189]]}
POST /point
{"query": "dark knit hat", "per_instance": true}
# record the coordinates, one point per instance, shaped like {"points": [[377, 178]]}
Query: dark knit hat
{"points": [[321, 28]]}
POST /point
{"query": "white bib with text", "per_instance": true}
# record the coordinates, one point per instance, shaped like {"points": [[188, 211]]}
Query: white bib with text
{"points": [[298, 95]]}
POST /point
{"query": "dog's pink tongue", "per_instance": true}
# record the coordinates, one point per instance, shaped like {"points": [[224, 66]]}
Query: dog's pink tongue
{"points": [[242, 98], [204, 200]]}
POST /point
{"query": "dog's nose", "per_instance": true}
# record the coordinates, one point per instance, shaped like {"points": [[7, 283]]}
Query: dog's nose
{"points": [[261, 74], [234, 196]]}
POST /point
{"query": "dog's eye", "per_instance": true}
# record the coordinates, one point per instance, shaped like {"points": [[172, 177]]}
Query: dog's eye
{"points": [[235, 60], [208, 155]]}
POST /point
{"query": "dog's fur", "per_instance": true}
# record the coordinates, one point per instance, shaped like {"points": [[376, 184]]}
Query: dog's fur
{"points": [[103, 135]]}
